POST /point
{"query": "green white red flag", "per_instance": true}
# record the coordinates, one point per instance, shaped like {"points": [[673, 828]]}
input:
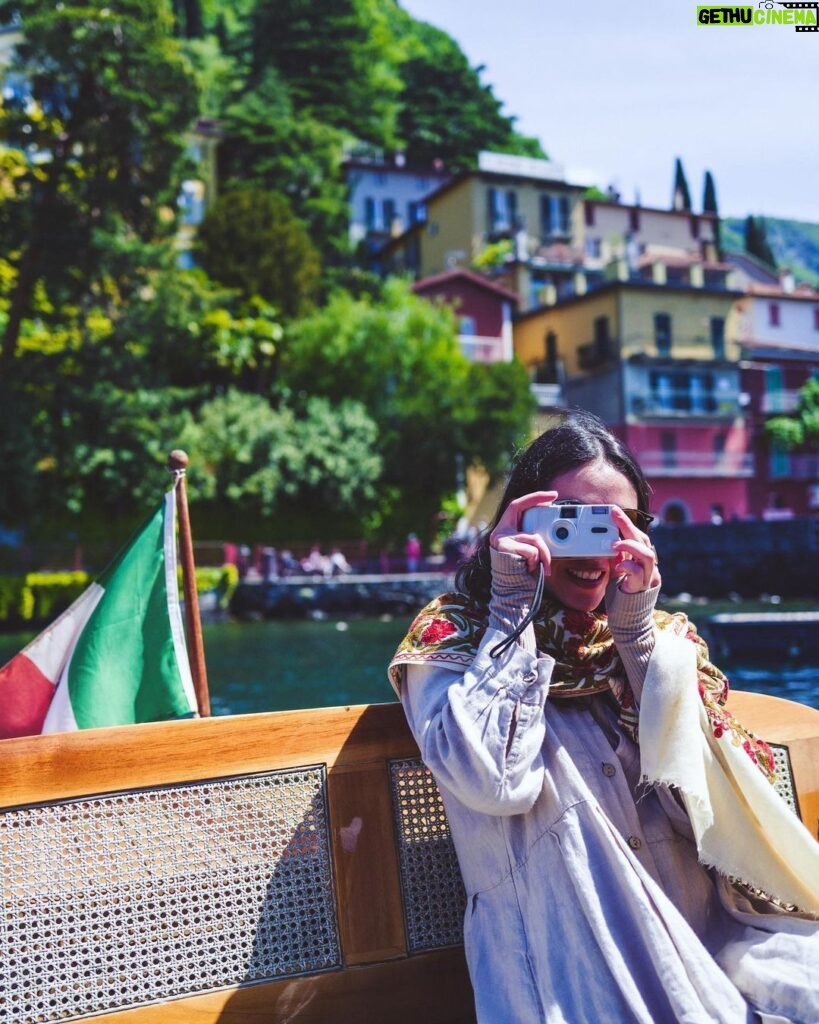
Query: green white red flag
{"points": [[116, 656]]}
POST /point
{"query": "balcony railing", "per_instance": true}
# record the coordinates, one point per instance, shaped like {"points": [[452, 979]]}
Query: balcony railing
{"points": [[795, 465], [480, 349], [548, 396], [784, 401], [684, 404], [700, 464]]}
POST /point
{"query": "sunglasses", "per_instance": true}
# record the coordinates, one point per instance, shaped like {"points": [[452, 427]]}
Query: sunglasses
{"points": [[640, 519]]}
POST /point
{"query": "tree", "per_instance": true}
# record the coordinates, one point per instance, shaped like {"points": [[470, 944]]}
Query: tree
{"points": [[266, 144], [336, 58], [109, 99], [800, 430], [250, 240], [681, 197], [709, 205], [756, 241], [305, 471], [447, 113], [400, 358]]}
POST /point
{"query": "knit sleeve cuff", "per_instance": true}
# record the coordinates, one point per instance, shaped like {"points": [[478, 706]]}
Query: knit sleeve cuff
{"points": [[512, 592]]}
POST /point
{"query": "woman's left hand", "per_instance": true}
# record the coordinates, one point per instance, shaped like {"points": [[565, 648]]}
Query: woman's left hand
{"points": [[637, 568]]}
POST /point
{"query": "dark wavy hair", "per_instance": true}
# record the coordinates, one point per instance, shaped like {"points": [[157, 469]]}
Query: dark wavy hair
{"points": [[580, 438]]}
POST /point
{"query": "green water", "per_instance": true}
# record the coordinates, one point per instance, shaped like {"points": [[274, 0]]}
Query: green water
{"points": [[280, 665]]}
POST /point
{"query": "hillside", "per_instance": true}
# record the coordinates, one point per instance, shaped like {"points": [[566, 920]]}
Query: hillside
{"points": [[794, 243]]}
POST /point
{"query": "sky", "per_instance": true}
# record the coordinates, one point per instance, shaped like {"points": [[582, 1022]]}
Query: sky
{"points": [[615, 92]]}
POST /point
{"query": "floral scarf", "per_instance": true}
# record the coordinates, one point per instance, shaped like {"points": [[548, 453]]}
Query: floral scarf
{"points": [[449, 630]]}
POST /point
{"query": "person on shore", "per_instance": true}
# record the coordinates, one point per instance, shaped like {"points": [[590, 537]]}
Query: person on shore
{"points": [[624, 853], [413, 552]]}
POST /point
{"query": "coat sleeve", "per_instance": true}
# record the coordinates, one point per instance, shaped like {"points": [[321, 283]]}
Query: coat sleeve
{"points": [[480, 732]]}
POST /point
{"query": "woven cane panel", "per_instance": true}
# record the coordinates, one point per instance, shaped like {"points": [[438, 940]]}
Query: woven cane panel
{"points": [[434, 897], [784, 776], [124, 899]]}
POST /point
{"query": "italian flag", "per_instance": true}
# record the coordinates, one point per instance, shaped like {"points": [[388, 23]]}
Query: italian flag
{"points": [[116, 656]]}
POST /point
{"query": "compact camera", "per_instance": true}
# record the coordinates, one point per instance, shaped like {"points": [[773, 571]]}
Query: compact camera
{"points": [[574, 531]]}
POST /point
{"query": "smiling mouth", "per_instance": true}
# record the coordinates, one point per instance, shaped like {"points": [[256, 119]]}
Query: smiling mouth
{"points": [[586, 576]]}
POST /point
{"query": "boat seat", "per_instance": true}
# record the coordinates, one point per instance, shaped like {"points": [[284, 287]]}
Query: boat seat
{"points": [[290, 866]]}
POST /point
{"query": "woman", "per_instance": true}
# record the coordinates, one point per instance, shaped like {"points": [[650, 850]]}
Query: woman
{"points": [[597, 792]]}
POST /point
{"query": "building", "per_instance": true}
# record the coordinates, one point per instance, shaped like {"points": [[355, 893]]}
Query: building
{"points": [[778, 337], [514, 218], [483, 308], [656, 360], [386, 197]]}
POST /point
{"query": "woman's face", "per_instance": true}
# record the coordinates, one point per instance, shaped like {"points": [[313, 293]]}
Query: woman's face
{"points": [[580, 583]]}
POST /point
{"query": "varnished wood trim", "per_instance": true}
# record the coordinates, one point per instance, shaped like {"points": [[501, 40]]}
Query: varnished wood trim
{"points": [[371, 921], [429, 989], [65, 765]]}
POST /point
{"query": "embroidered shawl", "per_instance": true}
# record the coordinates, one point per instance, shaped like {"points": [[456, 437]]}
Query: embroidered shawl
{"points": [[449, 630], [688, 739]]}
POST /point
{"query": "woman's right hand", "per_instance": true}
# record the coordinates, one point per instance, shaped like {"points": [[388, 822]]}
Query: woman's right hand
{"points": [[509, 538]]}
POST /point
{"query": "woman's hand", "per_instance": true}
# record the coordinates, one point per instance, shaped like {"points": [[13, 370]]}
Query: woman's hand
{"points": [[508, 536], [637, 567]]}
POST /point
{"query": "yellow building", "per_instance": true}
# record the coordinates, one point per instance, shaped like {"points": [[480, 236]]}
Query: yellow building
{"points": [[514, 218], [659, 363]]}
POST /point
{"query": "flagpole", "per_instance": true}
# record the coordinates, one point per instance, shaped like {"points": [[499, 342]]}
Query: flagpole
{"points": [[177, 464]]}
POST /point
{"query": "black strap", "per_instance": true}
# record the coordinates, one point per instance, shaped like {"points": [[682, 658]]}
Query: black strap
{"points": [[540, 586]]}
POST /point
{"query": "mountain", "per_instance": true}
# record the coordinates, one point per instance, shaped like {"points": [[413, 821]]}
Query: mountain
{"points": [[794, 243]]}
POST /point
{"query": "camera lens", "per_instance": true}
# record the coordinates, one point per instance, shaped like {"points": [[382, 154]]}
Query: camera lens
{"points": [[562, 532]]}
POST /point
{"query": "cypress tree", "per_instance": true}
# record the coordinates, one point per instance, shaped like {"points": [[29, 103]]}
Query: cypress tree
{"points": [[709, 205], [681, 197]]}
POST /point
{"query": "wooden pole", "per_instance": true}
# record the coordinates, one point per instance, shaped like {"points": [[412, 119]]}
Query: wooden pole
{"points": [[177, 464]]}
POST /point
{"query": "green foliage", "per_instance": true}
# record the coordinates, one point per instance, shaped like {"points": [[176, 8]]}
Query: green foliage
{"points": [[801, 430], [39, 596], [337, 58], [681, 196], [709, 194], [447, 113], [268, 145], [111, 97], [251, 241], [221, 579], [493, 255], [400, 358], [255, 458], [756, 241]]}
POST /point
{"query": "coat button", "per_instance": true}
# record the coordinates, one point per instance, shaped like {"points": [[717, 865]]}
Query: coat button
{"points": [[635, 842], [609, 769]]}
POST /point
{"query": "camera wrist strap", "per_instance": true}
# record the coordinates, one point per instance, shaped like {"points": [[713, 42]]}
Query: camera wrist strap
{"points": [[530, 616]]}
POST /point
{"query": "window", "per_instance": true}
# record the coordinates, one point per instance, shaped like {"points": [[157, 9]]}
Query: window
{"points": [[634, 219], [416, 212], [467, 326], [668, 447], [662, 333], [594, 248], [502, 210], [695, 227], [816, 318], [588, 213], [773, 314], [388, 213], [369, 213], [554, 215], [718, 336]]}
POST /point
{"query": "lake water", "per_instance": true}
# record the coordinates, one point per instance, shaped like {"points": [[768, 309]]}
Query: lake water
{"points": [[279, 665]]}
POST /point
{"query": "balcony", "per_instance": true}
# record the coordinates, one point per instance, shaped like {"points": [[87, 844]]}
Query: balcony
{"points": [[697, 464], [795, 465], [783, 401], [548, 396], [480, 349]]}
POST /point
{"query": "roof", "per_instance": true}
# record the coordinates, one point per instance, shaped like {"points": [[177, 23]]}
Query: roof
{"points": [[802, 292], [631, 285], [707, 214], [461, 273], [498, 176]]}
